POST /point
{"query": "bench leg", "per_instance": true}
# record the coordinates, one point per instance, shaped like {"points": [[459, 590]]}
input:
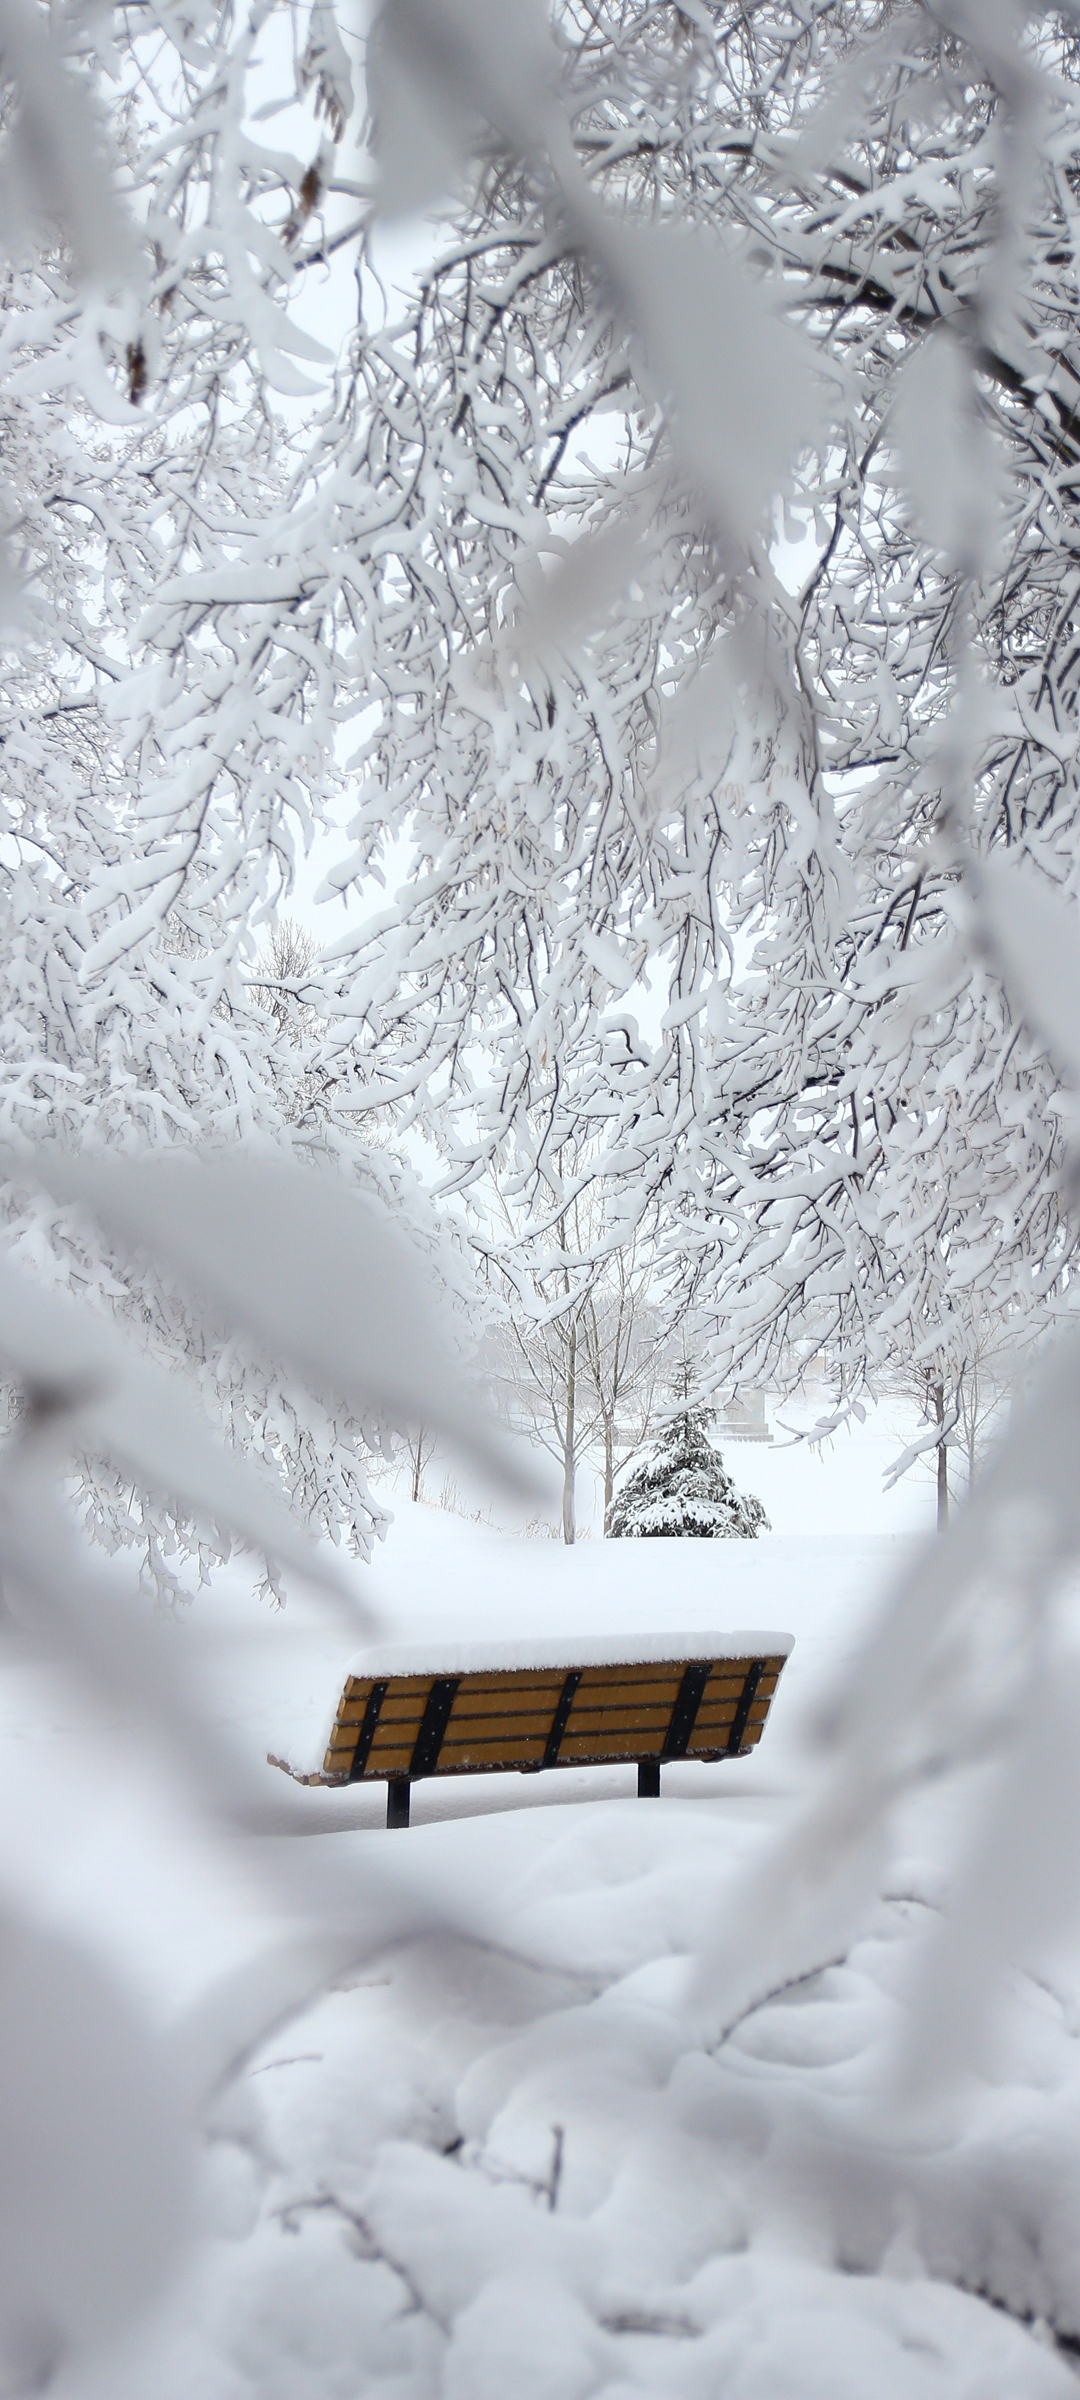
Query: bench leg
{"points": [[397, 1800], [648, 1779]]}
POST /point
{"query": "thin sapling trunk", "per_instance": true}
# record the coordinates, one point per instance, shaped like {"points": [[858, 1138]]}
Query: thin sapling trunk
{"points": [[938, 1397], [568, 1439]]}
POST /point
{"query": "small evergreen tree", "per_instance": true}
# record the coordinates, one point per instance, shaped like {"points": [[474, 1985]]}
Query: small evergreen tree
{"points": [[683, 1487]]}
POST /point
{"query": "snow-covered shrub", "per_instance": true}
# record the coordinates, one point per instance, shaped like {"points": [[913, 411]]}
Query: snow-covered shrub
{"points": [[683, 1487]]}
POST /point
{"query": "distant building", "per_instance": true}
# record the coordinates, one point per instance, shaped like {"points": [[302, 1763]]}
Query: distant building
{"points": [[743, 1419]]}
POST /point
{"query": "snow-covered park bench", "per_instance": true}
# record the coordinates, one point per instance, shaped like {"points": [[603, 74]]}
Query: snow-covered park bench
{"points": [[499, 1707]]}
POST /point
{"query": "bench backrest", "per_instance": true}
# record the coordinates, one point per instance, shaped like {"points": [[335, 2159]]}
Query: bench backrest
{"points": [[530, 1717]]}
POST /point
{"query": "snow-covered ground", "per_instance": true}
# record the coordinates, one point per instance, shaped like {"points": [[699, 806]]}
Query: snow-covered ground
{"points": [[491, 2162]]}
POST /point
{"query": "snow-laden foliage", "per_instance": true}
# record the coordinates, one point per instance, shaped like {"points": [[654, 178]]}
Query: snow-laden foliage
{"points": [[623, 746], [683, 1487], [162, 757], [763, 898], [616, 745]]}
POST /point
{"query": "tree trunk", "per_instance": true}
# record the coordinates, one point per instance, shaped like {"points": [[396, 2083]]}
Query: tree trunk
{"points": [[609, 1465], [938, 1397], [568, 1440]]}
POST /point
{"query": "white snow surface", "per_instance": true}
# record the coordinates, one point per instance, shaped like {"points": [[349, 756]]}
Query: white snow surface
{"points": [[632, 1649], [490, 2163]]}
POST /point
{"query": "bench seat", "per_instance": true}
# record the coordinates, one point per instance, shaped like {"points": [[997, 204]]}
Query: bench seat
{"points": [[497, 1708]]}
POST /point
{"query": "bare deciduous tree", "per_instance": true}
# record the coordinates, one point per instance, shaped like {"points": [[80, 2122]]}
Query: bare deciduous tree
{"points": [[420, 1446], [620, 1349], [535, 1357], [578, 1346], [961, 1391]]}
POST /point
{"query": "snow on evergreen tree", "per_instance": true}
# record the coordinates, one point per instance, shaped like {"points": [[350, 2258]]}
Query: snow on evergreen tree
{"points": [[682, 1487]]}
